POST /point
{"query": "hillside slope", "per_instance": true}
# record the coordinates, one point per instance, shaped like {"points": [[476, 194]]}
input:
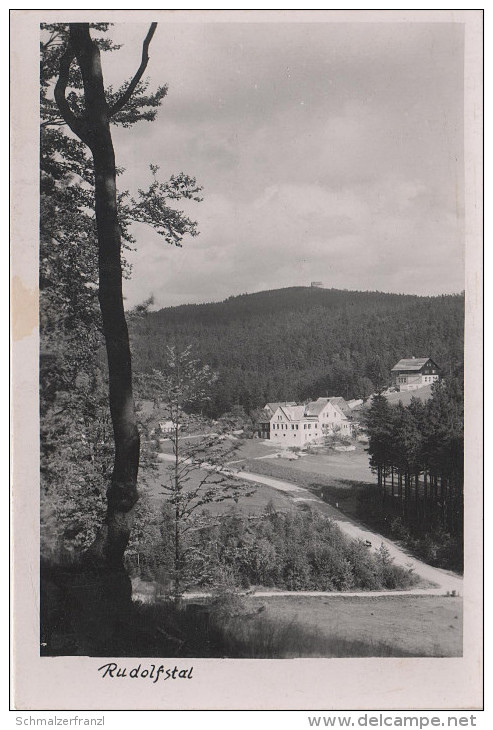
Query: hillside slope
{"points": [[296, 343]]}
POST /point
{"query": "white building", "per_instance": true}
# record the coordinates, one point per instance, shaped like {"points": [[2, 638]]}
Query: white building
{"points": [[299, 425]]}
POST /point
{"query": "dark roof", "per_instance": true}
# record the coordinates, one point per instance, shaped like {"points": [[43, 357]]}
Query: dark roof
{"points": [[413, 363]]}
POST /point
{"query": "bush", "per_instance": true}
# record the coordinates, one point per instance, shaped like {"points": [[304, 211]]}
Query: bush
{"points": [[290, 551]]}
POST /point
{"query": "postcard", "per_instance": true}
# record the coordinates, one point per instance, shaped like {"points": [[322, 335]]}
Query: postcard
{"points": [[247, 359]]}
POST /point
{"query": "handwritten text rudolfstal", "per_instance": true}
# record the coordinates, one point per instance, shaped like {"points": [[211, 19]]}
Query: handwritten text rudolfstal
{"points": [[154, 673]]}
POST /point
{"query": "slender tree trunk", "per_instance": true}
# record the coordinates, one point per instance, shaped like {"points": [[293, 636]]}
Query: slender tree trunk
{"points": [[178, 567], [425, 495], [122, 494]]}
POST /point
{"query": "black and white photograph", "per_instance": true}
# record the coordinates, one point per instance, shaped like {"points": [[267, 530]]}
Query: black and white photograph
{"points": [[251, 315]]}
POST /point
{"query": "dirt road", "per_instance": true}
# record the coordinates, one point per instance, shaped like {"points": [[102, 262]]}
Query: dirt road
{"points": [[445, 582]]}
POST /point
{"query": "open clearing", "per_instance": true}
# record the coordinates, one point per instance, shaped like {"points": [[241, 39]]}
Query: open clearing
{"points": [[337, 465], [254, 504], [420, 625], [422, 622]]}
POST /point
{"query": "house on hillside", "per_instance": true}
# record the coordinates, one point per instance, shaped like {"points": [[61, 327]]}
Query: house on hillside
{"points": [[298, 425], [330, 414], [415, 372]]}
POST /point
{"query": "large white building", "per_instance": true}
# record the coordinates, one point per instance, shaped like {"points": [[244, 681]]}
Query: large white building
{"points": [[293, 425]]}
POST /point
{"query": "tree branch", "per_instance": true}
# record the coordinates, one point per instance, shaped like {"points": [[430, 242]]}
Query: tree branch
{"points": [[118, 105], [76, 125]]}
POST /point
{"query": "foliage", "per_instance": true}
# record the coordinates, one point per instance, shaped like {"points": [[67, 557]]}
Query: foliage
{"points": [[418, 454], [293, 551], [196, 475], [302, 343], [76, 434]]}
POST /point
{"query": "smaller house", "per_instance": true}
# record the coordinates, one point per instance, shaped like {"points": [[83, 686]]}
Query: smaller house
{"points": [[414, 372]]}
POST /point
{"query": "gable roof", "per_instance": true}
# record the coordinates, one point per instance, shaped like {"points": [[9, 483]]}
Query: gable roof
{"points": [[315, 407], [293, 413], [413, 363], [341, 403]]}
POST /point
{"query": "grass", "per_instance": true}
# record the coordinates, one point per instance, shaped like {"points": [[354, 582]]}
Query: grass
{"points": [[414, 625], [256, 637], [209, 631], [334, 489], [262, 627], [255, 504]]}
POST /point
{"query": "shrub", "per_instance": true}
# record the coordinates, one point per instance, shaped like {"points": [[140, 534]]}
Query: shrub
{"points": [[291, 551]]}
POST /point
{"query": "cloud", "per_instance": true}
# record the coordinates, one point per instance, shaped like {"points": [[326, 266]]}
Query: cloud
{"points": [[327, 151]]}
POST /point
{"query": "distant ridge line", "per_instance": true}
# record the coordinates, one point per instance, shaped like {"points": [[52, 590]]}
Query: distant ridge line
{"points": [[313, 291]]}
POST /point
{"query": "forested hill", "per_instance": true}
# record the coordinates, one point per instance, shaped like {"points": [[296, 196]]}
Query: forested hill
{"points": [[296, 343]]}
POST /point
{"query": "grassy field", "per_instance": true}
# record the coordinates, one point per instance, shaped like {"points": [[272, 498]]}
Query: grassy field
{"points": [[415, 625], [331, 474], [254, 504], [338, 465], [337, 491]]}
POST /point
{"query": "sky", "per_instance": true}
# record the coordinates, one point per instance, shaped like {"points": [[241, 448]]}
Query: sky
{"points": [[327, 152]]}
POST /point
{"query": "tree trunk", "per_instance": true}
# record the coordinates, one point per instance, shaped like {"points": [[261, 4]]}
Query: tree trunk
{"points": [[122, 495], [425, 495], [177, 559]]}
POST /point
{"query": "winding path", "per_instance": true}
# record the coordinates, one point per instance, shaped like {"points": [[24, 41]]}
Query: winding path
{"points": [[444, 582]]}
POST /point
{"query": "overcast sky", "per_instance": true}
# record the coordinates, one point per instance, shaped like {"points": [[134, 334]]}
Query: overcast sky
{"points": [[328, 151]]}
